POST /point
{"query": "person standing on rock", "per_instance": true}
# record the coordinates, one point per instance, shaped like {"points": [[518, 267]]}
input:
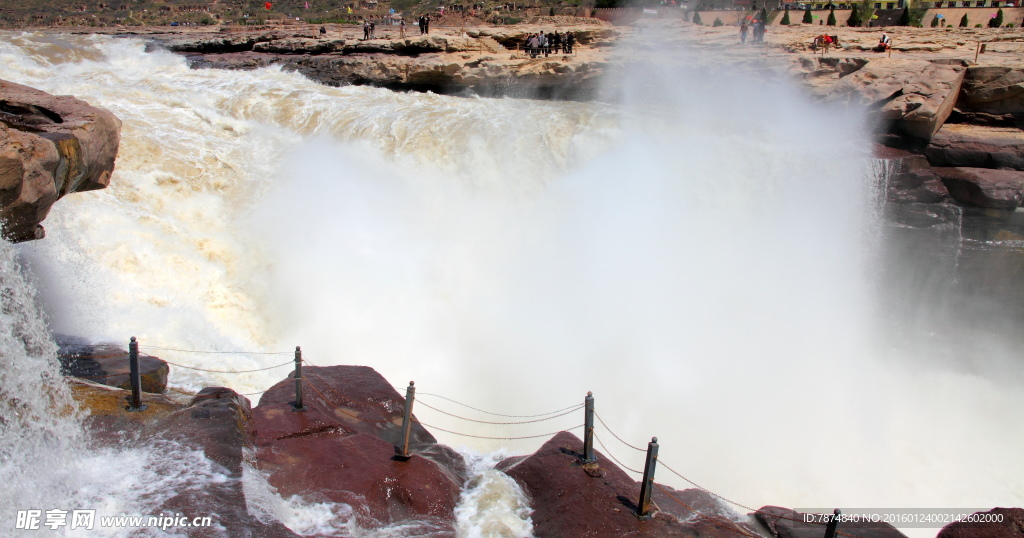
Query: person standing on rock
{"points": [[570, 40], [743, 32], [366, 30], [401, 28], [426, 24], [373, 31], [420, 22]]}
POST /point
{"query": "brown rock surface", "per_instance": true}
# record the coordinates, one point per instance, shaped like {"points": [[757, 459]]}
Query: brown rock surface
{"points": [[977, 146], [342, 449], [912, 179], [982, 187], [994, 90], [1011, 526], [569, 500], [50, 146], [917, 95]]}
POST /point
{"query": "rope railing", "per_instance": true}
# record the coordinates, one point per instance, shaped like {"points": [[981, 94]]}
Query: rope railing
{"points": [[566, 412], [577, 406], [497, 438], [345, 406], [229, 371], [612, 456], [161, 348]]}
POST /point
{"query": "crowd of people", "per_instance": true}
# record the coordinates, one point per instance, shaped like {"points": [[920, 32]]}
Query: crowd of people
{"points": [[551, 42]]}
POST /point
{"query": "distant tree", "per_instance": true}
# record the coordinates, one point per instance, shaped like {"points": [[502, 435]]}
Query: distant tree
{"points": [[854, 19], [552, 12], [808, 18], [963, 21], [785, 17], [905, 17], [764, 15], [831, 16], [997, 21], [935, 21], [696, 18], [718, 22]]}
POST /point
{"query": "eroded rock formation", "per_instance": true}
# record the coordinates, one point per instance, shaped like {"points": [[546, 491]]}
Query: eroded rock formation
{"points": [[50, 146], [342, 449]]}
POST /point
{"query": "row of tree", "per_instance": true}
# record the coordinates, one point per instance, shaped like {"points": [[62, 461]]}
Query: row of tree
{"points": [[857, 18]]}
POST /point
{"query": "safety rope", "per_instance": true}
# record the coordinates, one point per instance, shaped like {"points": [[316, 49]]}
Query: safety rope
{"points": [[498, 438], [221, 352], [661, 463], [178, 390], [612, 456], [577, 408], [616, 436], [229, 371], [573, 407]]}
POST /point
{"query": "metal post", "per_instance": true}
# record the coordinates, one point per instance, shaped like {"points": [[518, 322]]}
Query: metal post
{"points": [[410, 396], [298, 404], [135, 377], [588, 429], [644, 506], [833, 524]]}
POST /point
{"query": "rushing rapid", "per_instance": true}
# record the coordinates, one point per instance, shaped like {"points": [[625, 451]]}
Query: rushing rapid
{"points": [[701, 260]]}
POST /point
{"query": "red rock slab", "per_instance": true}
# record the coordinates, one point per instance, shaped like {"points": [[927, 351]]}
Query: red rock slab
{"points": [[983, 187], [342, 448], [1010, 526], [569, 499]]}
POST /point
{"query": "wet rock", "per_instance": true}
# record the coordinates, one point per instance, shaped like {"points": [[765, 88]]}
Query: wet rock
{"points": [[912, 180], [569, 499], [342, 449], [218, 422], [787, 523], [977, 146], [984, 188], [107, 364], [1010, 526], [50, 146]]}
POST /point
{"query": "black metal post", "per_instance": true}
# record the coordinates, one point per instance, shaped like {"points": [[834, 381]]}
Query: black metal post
{"points": [[833, 524], [410, 397], [135, 377], [298, 405], [588, 429], [644, 506]]}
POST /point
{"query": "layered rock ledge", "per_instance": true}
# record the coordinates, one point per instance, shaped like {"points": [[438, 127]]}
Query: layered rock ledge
{"points": [[50, 146]]}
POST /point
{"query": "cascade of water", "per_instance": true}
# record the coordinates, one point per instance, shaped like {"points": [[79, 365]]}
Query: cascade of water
{"points": [[684, 255]]}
